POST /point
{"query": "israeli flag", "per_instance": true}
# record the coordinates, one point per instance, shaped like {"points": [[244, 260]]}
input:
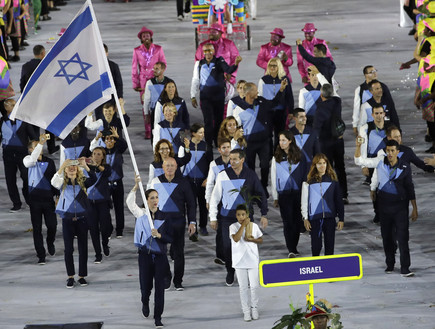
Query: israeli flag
{"points": [[71, 81]]}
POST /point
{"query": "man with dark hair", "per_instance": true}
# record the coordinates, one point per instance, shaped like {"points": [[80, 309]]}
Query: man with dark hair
{"points": [[378, 99], [234, 185], [328, 108], [216, 166], [209, 80], [153, 89], [305, 138], [363, 94], [324, 64], [30, 66], [374, 137], [392, 188]]}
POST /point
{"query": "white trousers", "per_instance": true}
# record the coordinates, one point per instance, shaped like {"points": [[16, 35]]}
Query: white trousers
{"points": [[253, 7], [405, 21], [248, 280]]}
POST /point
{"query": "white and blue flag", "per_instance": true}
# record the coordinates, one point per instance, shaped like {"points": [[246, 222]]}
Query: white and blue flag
{"points": [[71, 81]]}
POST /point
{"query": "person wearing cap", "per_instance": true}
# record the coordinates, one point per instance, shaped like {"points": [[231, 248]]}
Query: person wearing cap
{"points": [[223, 47], [276, 48], [308, 44], [320, 314], [144, 58]]}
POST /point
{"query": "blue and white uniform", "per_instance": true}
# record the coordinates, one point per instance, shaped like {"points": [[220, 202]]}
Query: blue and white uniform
{"points": [[321, 204]]}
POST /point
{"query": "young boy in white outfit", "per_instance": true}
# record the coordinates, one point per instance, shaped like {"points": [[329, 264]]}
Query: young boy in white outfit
{"points": [[245, 236]]}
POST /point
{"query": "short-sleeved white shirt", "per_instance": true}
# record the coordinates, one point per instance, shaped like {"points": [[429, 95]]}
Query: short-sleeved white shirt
{"points": [[244, 253]]}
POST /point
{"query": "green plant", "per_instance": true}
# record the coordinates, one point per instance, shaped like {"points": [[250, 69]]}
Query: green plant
{"points": [[295, 320], [246, 196]]}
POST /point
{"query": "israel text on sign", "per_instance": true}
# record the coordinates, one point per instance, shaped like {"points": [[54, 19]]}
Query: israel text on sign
{"points": [[293, 271]]}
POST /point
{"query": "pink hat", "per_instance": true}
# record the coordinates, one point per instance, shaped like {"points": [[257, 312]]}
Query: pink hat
{"points": [[309, 27], [279, 32], [143, 30], [217, 27]]}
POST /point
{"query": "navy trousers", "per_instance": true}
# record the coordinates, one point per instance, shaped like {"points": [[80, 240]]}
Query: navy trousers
{"points": [[153, 267], [37, 211], [290, 209], [70, 229], [327, 227], [395, 226]]}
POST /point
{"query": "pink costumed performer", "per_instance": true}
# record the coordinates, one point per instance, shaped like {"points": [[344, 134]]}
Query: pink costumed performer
{"points": [[276, 48], [309, 43], [144, 58]]}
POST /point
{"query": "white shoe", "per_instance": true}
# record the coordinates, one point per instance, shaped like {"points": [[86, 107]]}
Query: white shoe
{"points": [[247, 316], [254, 312], [180, 18]]}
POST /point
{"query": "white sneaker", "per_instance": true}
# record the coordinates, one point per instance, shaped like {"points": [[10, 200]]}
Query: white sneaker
{"points": [[254, 312], [180, 18], [247, 316]]}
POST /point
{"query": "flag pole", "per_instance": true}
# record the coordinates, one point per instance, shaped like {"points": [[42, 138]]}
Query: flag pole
{"points": [[121, 116]]}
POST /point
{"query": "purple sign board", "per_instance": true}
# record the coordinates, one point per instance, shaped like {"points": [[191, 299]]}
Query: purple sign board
{"points": [[293, 271]]}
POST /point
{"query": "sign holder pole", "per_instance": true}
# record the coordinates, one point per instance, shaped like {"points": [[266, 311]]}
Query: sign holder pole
{"points": [[311, 285], [311, 293]]}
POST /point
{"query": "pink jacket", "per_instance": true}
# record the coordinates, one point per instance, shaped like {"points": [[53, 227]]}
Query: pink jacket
{"points": [[143, 63], [309, 47], [268, 51], [223, 48]]}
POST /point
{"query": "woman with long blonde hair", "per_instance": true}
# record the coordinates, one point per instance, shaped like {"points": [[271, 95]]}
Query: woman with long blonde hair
{"points": [[170, 127], [268, 87], [72, 207], [321, 203]]}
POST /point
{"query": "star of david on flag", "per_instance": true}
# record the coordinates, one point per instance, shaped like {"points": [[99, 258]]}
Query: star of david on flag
{"points": [[71, 81], [73, 65]]}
